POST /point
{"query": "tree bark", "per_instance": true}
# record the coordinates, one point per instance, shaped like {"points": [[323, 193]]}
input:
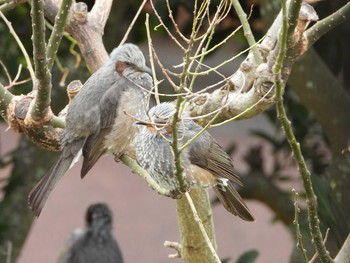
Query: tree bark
{"points": [[194, 248]]}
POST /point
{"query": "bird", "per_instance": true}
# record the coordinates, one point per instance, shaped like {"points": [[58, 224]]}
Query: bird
{"points": [[94, 243], [204, 162], [96, 120]]}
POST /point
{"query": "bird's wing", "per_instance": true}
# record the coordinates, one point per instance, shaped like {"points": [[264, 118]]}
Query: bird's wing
{"points": [[92, 151], [209, 155], [94, 145], [109, 105]]}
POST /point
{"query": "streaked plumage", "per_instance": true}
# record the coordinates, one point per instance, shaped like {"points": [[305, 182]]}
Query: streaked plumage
{"points": [[204, 161]]}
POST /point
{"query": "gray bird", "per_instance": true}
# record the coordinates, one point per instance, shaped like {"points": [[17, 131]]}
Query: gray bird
{"points": [[95, 243], [96, 122], [204, 162]]}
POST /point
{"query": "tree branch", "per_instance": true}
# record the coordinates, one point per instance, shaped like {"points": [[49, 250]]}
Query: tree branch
{"points": [[42, 83], [57, 32], [193, 247], [133, 165], [327, 24], [86, 27], [19, 43], [286, 124], [298, 234], [247, 31]]}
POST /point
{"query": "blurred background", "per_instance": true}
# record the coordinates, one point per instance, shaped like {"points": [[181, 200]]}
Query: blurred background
{"points": [[143, 220]]}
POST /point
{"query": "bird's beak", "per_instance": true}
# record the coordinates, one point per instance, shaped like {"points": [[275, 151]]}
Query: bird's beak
{"points": [[142, 123]]}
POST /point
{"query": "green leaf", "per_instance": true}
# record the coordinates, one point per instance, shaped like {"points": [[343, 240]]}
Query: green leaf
{"points": [[248, 257]]}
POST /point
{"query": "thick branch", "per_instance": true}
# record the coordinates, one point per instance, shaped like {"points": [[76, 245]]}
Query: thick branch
{"points": [[327, 24], [57, 32], [86, 27], [194, 247], [133, 165], [43, 77], [250, 90], [247, 31]]}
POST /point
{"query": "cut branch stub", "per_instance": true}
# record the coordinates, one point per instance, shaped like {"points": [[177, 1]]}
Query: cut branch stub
{"points": [[19, 120], [80, 12]]}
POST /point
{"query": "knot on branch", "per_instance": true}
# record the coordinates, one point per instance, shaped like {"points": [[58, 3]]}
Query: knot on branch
{"points": [[205, 105], [264, 83], [20, 120]]}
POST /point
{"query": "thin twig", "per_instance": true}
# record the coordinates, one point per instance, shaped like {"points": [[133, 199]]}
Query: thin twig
{"points": [[236, 117], [178, 31], [165, 71], [165, 27], [313, 259], [19, 43], [223, 63], [299, 237], [209, 33], [6, 72], [201, 227], [247, 31], [132, 22], [42, 79], [200, 132], [303, 170], [208, 51], [150, 51]]}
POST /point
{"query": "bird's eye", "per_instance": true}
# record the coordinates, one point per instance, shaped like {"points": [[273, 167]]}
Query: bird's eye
{"points": [[120, 66], [129, 64]]}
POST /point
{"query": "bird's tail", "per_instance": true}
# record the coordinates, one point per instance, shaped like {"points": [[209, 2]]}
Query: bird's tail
{"points": [[41, 191], [232, 201]]}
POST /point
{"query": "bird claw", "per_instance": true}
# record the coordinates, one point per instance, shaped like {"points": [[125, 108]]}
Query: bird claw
{"points": [[176, 194]]}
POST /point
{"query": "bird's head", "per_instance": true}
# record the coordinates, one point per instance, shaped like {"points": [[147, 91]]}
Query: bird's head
{"points": [[98, 215], [160, 118], [128, 59]]}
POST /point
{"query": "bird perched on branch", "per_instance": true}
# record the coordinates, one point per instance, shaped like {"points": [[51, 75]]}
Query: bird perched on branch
{"points": [[96, 122], [95, 243], [204, 162]]}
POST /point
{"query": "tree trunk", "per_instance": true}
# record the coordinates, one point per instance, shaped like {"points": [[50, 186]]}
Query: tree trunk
{"points": [[194, 248]]}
